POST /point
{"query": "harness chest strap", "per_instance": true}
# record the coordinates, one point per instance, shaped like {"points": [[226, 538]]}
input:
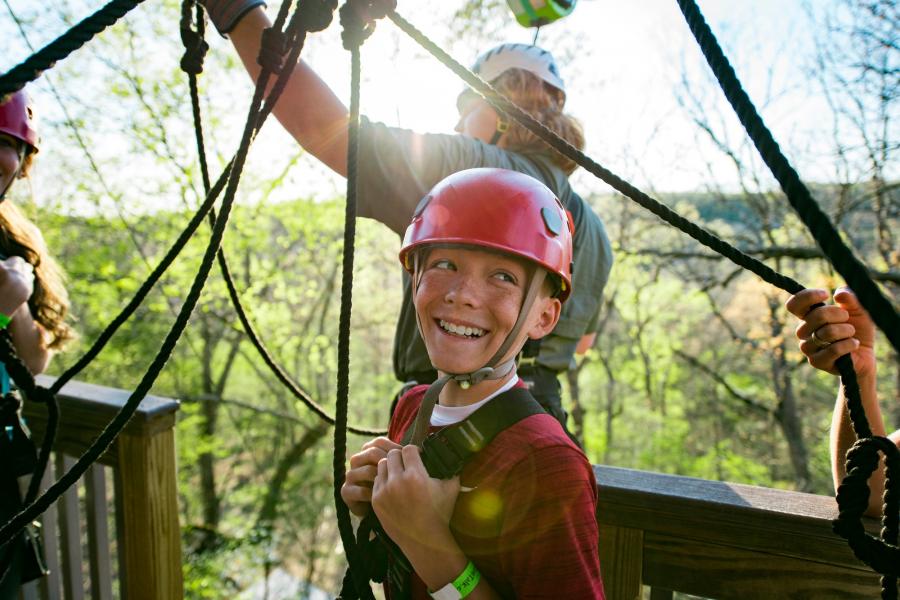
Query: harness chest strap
{"points": [[447, 451]]}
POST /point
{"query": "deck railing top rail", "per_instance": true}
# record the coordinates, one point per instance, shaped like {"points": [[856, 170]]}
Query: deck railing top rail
{"points": [[722, 540]]}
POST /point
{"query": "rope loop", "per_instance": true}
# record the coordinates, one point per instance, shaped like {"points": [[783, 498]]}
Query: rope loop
{"points": [[357, 26], [882, 555], [273, 47], [317, 15]]}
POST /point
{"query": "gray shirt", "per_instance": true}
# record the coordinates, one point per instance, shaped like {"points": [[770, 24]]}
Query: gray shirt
{"points": [[397, 167]]}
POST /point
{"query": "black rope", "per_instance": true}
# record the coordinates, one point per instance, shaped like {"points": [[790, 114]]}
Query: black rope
{"points": [[353, 34], [296, 390], [73, 39], [873, 552], [255, 119], [851, 268]]}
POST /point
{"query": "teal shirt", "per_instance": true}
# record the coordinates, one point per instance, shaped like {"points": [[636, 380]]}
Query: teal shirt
{"points": [[397, 167]]}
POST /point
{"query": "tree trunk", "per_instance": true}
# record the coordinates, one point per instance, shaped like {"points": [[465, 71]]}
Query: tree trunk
{"points": [[786, 414]]}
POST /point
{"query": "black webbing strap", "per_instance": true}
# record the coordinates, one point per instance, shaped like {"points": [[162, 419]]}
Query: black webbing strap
{"points": [[447, 451]]}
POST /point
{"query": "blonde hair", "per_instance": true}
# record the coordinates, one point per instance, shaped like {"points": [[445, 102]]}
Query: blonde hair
{"points": [[49, 302], [544, 102]]}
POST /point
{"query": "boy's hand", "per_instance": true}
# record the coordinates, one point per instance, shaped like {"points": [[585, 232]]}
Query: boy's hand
{"points": [[16, 284], [413, 508], [831, 331], [357, 489]]}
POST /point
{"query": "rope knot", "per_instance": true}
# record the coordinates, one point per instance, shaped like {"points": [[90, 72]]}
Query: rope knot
{"points": [[356, 22], [273, 47], [195, 48], [317, 15], [882, 555]]}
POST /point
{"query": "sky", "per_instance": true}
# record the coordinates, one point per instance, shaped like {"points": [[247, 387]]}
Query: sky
{"points": [[625, 64]]}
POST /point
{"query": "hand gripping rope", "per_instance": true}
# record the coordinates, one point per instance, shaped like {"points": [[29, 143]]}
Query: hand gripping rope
{"points": [[231, 176]]}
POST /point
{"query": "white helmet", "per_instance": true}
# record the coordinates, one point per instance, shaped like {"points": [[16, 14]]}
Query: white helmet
{"points": [[493, 63]]}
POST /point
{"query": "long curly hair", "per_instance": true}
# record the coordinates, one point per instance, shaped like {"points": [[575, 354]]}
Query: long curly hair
{"points": [[545, 103], [49, 302]]}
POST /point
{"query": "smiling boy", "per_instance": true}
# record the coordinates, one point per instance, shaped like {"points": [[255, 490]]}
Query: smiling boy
{"points": [[489, 252]]}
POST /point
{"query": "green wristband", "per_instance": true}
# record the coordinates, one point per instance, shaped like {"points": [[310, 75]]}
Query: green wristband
{"points": [[4, 321], [467, 580]]}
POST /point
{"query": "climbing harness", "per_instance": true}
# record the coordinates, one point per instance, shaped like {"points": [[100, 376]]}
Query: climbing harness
{"points": [[537, 13], [444, 453]]}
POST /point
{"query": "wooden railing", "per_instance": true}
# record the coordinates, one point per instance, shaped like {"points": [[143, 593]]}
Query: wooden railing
{"points": [[143, 557], [658, 533], [721, 540]]}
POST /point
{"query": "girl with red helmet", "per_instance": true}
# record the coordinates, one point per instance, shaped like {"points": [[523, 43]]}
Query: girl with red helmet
{"points": [[33, 301], [489, 252], [397, 167], [33, 306]]}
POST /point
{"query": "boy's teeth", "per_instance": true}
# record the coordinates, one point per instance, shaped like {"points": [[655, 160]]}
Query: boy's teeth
{"points": [[462, 330]]}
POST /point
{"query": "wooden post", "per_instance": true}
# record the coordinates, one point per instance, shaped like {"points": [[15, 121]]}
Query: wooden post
{"points": [[147, 517], [621, 561], [144, 465]]}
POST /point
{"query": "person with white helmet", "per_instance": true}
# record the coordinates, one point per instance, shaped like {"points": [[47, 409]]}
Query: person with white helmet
{"points": [[483, 510], [33, 307], [397, 167]]}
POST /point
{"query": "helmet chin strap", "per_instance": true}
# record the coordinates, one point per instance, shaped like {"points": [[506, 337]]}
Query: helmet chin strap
{"points": [[502, 127], [490, 371]]}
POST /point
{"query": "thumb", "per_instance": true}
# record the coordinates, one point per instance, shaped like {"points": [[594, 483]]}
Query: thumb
{"points": [[845, 297]]}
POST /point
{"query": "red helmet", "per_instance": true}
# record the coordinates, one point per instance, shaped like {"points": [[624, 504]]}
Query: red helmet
{"points": [[500, 210], [17, 120]]}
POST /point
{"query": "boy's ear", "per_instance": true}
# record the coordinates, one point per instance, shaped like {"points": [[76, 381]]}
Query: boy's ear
{"points": [[547, 311]]}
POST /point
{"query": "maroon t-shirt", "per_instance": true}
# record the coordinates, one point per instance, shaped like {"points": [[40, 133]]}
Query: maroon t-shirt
{"points": [[529, 524]]}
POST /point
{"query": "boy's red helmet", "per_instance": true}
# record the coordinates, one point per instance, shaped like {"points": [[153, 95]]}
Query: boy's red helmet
{"points": [[17, 120], [499, 210]]}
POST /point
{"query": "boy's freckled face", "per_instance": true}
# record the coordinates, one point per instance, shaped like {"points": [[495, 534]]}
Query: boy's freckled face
{"points": [[468, 301]]}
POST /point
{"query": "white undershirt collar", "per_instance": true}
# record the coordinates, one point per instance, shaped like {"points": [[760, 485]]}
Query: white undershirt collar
{"points": [[448, 415]]}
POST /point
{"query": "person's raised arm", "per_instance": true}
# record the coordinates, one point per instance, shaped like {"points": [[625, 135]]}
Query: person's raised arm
{"points": [[826, 333], [308, 109]]}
